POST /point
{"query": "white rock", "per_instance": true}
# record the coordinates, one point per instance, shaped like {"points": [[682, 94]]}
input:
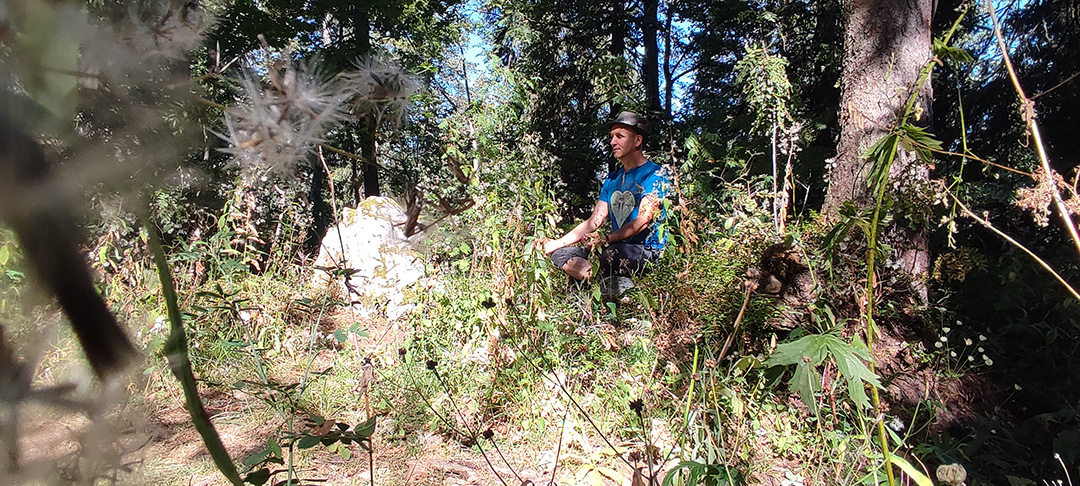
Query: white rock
{"points": [[371, 243]]}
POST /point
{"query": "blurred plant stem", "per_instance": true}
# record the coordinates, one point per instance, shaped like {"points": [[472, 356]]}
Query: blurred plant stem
{"points": [[176, 352]]}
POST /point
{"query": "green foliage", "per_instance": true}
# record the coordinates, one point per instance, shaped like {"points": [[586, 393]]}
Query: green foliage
{"points": [[335, 436], [12, 276], [951, 53], [690, 473], [810, 351], [765, 87], [524, 146]]}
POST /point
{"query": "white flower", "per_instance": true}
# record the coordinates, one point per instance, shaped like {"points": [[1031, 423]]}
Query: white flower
{"points": [[982, 338], [946, 330], [952, 353], [1017, 386], [944, 339], [896, 424], [379, 90], [938, 345], [967, 342], [982, 349], [971, 358]]}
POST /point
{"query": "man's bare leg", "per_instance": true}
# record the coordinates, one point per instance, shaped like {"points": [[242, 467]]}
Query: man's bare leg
{"points": [[578, 268]]}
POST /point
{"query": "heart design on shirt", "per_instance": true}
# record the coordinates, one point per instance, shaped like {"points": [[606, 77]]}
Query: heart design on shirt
{"points": [[622, 204]]}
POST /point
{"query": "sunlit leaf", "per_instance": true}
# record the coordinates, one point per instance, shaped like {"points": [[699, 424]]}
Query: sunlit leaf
{"points": [[915, 474], [951, 53], [881, 156], [365, 429]]}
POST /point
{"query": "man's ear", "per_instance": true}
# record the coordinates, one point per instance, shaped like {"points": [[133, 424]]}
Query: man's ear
{"points": [[639, 142]]}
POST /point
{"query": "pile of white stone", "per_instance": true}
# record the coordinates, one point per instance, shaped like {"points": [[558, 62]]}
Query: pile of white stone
{"points": [[369, 245]]}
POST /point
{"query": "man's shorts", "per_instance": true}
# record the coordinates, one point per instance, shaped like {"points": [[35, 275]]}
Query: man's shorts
{"points": [[617, 259]]}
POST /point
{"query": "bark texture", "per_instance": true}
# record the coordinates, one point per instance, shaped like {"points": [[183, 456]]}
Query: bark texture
{"points": [[886, 44]]}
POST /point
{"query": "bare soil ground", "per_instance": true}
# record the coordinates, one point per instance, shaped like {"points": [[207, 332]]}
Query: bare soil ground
{"points": [[148, 439]]}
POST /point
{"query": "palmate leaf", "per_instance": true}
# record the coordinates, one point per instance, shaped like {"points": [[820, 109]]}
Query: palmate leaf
{"points": [[919, 141], [849, 361], [950, 53], [806, 353], [881, 155], [810, 351]]}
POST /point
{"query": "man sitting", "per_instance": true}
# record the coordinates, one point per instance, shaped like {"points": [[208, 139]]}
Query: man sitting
{"points": [[631, 195]]}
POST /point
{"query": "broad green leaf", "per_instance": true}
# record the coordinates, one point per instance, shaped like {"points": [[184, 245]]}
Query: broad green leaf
{"points": [[810, 351], [274, 447], [258, 478], [308, 441], [256, 458], [915, 474], [803, 381], [853, 370], [364, 430]]}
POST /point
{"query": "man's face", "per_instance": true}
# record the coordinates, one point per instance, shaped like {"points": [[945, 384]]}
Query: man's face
{"points": [[623, 141]]}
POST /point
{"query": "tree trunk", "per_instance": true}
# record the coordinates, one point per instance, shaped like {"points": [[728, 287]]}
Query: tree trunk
{"points": [[650, 69], [617, 49], [362, 34], [886, 44], [669, 82]]}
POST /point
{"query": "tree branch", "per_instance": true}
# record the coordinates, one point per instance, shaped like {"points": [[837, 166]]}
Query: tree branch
{"points": [[1028, 113], [986, 224]]}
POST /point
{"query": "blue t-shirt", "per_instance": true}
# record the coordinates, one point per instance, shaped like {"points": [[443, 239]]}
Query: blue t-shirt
{"points": [[623, 191]]}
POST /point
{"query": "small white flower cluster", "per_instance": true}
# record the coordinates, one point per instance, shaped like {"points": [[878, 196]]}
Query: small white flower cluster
{"points": [[830, 164], [966, 351]]}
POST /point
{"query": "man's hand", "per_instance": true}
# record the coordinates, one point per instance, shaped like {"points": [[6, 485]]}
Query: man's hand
{"points": [[547, 245], [593, 240]]}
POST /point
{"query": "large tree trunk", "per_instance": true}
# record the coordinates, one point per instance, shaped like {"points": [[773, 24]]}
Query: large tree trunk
{"points": [[886, 44], [650, 69], [362, 33], [617, 49]]}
